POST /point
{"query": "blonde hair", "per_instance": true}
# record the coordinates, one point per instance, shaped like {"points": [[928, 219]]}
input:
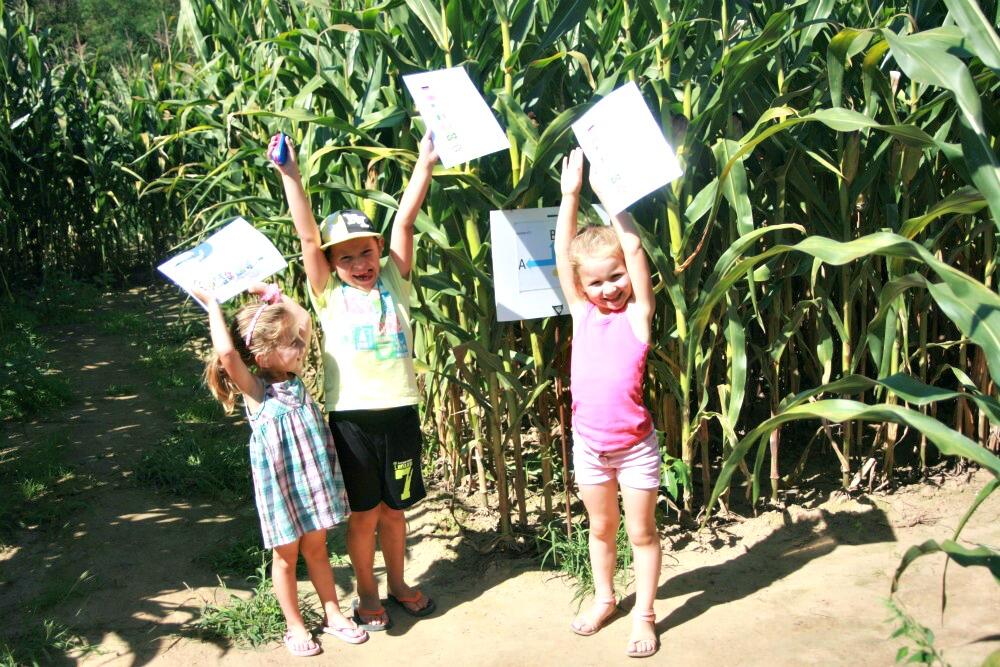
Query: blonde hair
{"points": [[269, 330], [593, 241]]}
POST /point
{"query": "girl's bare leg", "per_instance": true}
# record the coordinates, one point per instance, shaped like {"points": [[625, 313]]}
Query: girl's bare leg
{"points": [[286, 590], [314, 551], [601, 501], [640, 522]]}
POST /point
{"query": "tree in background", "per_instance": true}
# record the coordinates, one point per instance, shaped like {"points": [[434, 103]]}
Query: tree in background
{"points": [[109, 27]]}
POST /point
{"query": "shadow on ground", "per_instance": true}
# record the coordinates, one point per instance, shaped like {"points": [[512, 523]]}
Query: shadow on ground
{"points": [[120, 564], [789, 548]]}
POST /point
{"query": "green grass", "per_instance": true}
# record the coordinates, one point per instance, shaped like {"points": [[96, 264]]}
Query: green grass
{"points": [[165, 358], [29, 386], [58, 589], [255, 621], [200, 409], [206, 460], [43, 643], [239, 558], [36, 485], [571, 556], [243, 556], [120, 390], [126, 324]]}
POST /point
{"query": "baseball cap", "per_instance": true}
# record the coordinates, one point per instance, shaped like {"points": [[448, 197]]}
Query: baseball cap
{"points": [[345, 225]]}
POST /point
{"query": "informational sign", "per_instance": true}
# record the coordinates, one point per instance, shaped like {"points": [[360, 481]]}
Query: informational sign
{"points": [[464, 127], [525, 282], [226, 263], [623, 141]]}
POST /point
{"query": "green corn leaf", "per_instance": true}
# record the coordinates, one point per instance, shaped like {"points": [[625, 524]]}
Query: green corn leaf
{"points": [[428, 13], [734, 184], [964, 201], [566, 16], [937, 67], [845, 45], [736, 338], [948, 441], [976, 28], [979, 557]]}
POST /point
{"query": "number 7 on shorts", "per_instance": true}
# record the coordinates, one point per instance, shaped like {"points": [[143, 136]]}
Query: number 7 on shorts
{"points": [[404, 470]]}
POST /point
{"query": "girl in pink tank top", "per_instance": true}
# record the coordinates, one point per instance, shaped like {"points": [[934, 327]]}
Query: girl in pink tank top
{"points": [[605, 278]]}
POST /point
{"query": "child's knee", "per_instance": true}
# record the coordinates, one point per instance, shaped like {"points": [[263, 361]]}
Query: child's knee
{"points": [[642, 535], [604, 528], [285, 556], [314, 551], [364, 521], [389, 516]]}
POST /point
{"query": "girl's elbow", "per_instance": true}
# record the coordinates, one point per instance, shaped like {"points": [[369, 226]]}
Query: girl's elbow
{"points": [[630, 243], [228, 356]]}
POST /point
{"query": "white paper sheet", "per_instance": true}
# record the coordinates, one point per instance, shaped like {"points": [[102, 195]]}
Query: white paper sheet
{"points": [[226, 263], [525, 283], [621, 138], [464, 127]]}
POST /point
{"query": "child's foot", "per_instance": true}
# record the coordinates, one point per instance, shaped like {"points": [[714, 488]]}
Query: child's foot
{"points": [[593, 619], [413, 601], [300, 643], [371, 618], [643, 641], [343, 628]]}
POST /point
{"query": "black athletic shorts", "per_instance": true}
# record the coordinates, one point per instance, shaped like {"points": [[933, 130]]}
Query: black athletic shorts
{"points": [[379, 452]]}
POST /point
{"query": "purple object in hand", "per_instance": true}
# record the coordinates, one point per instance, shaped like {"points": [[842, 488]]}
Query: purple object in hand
{"points": [[280, 153]]}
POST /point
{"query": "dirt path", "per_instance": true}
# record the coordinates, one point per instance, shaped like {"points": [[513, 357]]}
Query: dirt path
{"points": [[804, 586]]}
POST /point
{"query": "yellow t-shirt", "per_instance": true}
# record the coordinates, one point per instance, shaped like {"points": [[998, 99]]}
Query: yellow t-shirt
{"points": [[367, 343]]}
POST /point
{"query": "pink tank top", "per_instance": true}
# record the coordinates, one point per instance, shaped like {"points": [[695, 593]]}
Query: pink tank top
{"points": [[606, 374]]}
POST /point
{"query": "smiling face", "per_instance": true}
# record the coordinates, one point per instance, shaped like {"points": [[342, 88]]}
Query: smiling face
{"points": [[605, 281], [287, 356], [356, 261]]}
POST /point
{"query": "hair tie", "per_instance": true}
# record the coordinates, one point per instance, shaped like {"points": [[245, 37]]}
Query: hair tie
{"points": [[253, 323], [272, 294]]}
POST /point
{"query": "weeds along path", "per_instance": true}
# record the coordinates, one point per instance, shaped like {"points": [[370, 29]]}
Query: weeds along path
{"points": [[150, 503], [107, 557]]}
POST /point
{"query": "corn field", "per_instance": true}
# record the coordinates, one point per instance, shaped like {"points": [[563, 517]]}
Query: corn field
{"points": [[829, 254]]}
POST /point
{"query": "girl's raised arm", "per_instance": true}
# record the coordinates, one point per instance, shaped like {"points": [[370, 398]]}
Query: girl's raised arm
{"points": [[572, 181], [302, 317], [636, 263], [313, 258], [222, 342], [401, 241], [635, 257]]}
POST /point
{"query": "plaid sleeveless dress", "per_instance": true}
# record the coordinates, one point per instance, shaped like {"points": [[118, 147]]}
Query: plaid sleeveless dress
{"points": [[297, 481]]}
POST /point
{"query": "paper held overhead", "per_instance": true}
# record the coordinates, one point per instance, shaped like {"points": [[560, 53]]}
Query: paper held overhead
{"points": [[463, 126], [625, 144], [226, 263]]}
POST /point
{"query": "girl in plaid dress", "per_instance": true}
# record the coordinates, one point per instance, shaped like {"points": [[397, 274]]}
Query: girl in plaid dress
{"points": [[298, 485]]}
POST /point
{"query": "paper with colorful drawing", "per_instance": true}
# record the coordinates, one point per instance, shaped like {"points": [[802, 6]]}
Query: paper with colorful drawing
{"points": [[226, 263], [624, 142], [464, 127]]}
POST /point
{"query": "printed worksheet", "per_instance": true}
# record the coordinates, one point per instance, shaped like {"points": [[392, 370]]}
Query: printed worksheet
{"points": [[625, 145], [226, 263], [464, 127]]}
